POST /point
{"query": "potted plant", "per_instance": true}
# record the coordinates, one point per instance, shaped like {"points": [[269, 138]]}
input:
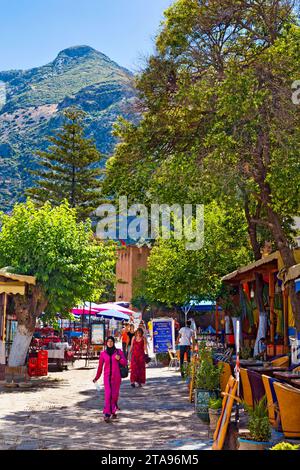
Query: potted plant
{"points": [[214, 411], [163, 358], [186, 373], [207, 382], [285, 446], [259, 428]]}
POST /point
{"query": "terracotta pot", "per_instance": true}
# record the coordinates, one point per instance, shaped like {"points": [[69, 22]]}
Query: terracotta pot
{"points": [[247, 444]]}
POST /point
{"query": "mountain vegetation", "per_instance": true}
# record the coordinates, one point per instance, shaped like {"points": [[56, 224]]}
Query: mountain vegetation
{"points": [[32, 104]]}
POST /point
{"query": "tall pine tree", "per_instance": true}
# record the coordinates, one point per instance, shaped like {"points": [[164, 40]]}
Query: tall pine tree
{"points": [[69, 168]]}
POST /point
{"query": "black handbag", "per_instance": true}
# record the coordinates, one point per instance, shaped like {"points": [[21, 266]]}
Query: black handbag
{"points": [[124, 371], [147, 359]]}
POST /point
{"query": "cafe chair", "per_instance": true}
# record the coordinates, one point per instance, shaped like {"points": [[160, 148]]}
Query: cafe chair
{"points": [[272, 402], [282, 361], [225, 374], [224, 356], [257, 386], [289, 407], [247, 391], [174, 361]]}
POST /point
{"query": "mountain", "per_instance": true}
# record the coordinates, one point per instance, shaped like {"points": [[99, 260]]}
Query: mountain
{"points": [[32, 102]]}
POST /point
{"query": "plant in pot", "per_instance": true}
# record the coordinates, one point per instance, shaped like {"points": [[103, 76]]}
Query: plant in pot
{"points": [[214, 411], [163, 358], [207, 383], [259, 428], [186, 372]]}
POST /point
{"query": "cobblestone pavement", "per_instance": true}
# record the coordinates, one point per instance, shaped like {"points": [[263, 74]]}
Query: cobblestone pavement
{"points": [[64, 411]]}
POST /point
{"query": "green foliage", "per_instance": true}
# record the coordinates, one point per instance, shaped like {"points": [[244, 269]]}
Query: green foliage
{"points": [[259, 425], [176, 275], [162, 357], [215, 403], [48, 243], [245, 352], [285, 446], [68, 169], [207, 376], [219, 122], [186, 370], [79, 76]]}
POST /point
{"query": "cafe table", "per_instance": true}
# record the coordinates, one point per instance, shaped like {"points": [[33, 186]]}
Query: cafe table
{"points": [[269, 370], [250, 363], [295, 382], [287, 375]]}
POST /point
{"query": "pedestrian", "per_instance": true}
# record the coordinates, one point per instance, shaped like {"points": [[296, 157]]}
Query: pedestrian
{"points": [[184, 339], [150, 329], [124, 336], [137, 353], [110, 360], [143, 326], [177, 327], [130, 335]]}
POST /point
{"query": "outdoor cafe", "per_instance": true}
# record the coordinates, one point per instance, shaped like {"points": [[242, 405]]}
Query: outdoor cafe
{"points": [[274, 370]]}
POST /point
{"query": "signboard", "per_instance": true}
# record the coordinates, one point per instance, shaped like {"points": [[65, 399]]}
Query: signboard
{"points": [[98, 333], [163, 335]]}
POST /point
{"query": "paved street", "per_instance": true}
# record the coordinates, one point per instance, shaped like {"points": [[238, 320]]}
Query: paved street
{"points": [[64, 411]]}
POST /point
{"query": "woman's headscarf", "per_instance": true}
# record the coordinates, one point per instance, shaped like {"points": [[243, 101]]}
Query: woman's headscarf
{"points": [[111, 350]]}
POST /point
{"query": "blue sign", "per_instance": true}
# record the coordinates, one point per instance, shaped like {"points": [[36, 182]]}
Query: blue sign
{"points": [[163, 335]]}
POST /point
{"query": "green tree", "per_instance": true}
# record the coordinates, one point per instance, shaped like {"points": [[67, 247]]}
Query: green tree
{"points": [[176, 275], [219, 118], [70, 266], [69, 168]]}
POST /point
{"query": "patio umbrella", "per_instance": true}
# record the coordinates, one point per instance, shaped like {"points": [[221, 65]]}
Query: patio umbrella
{"points": [[83, 310], [113, 314], [107, 310], [111, 306]]}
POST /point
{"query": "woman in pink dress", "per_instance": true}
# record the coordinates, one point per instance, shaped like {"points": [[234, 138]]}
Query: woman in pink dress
{"points": [[137, 354], [111, 359]]}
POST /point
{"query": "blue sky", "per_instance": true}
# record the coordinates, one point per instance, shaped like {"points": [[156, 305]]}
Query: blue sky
{"points": [[32, 32]]}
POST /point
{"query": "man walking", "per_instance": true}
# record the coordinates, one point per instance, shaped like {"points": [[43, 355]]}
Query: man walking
{"points": [[185, 337]]}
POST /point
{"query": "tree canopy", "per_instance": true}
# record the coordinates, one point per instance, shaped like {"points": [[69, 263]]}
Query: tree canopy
{"points": [[70, 266], [218, 120], [175, 275]]}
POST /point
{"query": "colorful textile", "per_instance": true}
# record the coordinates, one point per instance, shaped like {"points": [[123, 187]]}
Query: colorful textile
{"points": [[112, 379]]}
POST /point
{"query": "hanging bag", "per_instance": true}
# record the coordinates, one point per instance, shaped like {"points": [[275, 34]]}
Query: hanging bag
{"points": [[123, 369]]}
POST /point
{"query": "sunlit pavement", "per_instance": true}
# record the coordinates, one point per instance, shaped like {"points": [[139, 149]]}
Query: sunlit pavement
{"points": [[64, 411]]}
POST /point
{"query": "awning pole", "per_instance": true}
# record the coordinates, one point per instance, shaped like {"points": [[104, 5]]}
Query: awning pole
{"points": [[286, 319], [4, 318], [272, 314]]}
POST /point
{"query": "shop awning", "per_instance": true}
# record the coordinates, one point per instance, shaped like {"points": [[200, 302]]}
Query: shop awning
{"points": [[264, 264], [14, 283]]}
